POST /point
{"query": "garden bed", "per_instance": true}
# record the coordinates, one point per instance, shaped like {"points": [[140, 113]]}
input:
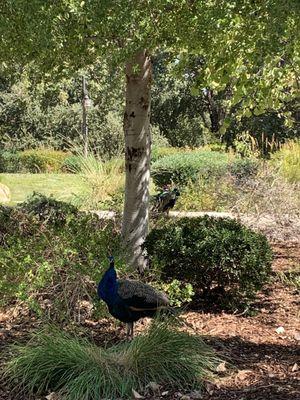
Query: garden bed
{"points": [[263, 348]]}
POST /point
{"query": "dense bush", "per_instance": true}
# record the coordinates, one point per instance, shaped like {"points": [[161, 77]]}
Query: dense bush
{"points": [[41, 160], [9, 161], [52, 255], [163, 151], [33, 161], [221, 258], [244, 168], [49, 113], [184, 167], [215, 146], [178, 292], [48, 210]]}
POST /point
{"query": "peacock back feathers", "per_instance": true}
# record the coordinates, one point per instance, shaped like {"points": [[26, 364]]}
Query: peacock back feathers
{"points": [[130, 288]]}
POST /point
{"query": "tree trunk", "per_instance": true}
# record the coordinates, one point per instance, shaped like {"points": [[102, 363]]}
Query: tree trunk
{"points": [[137, 157]]}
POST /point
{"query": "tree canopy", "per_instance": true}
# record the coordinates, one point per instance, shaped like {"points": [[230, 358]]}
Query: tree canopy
{"points": [[252, 45]]}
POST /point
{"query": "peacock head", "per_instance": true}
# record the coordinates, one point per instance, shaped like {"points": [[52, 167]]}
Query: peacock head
{"points": [[111, 261]]}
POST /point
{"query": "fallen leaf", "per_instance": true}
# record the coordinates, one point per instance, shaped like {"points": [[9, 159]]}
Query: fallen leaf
{"points": [[3, 317], [196, 395], [185, 397], [154, 386], [297, 336], [165, 393], [136, 395], [242, 374], [280, 330], [295, 367], [52, 396], [221, 367], [209, 387]]}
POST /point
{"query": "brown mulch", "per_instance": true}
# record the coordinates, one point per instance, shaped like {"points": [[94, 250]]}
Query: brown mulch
{"points": [[261, 350]]}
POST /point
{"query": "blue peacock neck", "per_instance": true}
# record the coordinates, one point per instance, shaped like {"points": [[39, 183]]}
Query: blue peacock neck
{"points": [[108, 286]]}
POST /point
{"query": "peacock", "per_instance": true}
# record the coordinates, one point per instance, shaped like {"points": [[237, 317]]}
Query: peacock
{"points": [[129, 300], [166, 200]]}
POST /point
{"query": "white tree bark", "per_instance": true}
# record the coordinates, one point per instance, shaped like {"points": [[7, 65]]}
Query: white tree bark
{"points": [[137, 156]]}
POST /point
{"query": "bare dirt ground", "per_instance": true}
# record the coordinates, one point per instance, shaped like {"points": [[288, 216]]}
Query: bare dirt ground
{"points": [[261, 350]]}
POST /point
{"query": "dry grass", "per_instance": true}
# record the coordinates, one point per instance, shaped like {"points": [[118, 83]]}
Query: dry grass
{"points": [[287, 159], [271, 204], [268, 193]]}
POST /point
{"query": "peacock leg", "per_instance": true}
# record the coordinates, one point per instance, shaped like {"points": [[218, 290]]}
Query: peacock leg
{"points": [[131, 329], [127, 330]]}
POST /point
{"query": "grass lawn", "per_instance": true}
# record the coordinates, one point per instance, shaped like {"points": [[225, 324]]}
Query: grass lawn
{"points": [[62, 186]]}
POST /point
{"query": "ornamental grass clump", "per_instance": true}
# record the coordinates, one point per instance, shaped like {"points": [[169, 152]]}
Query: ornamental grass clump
{"points": [[105, 180], [77, 369]]}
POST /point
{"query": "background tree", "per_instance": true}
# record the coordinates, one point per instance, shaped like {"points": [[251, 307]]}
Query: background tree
{"points": [[48, 112]]}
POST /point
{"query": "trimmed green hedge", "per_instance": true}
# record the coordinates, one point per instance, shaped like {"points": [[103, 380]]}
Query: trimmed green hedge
{"points": [[223, 260], [33, 161], [42, 160], [181, 168]]}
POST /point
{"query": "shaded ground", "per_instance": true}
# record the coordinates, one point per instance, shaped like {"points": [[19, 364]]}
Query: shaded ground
{"points": [[263, 361]]}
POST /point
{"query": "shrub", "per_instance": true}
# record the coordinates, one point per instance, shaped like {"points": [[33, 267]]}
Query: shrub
{"points": [[52, 255], [47, 209], [216, 146], [290, 278], [218, 256], [160, 152], [178, 293], [288, 161], [163, 151], [260, 134], [182, 168], [269, 203], [9, 161], [244, 168], [213, 194], [41, 160], [77, 369], [158, 140]]}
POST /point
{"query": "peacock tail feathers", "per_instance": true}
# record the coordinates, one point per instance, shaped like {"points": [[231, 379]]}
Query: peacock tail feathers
{"points": [[130, 288]]}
